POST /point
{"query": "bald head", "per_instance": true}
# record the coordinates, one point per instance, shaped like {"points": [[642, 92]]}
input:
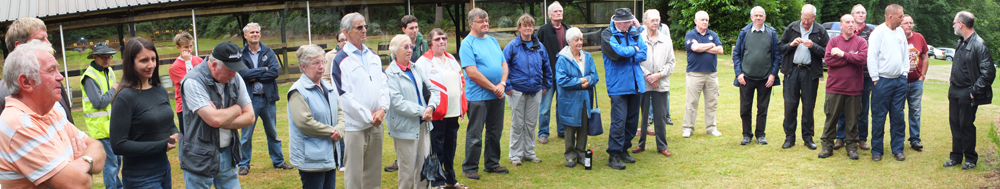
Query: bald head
{"points": [[893, 16], [847, 26]]}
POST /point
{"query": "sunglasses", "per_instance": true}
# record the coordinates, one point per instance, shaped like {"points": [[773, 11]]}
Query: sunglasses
{"points": [[441, 39], [361, 27]]}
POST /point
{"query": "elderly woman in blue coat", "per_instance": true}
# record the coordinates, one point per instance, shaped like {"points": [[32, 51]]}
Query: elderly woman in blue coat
{"points": [[410, 112], [312, 116], [576, 77]]}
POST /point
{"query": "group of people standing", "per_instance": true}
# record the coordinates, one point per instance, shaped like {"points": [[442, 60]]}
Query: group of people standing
{"points": [[343, 98]]}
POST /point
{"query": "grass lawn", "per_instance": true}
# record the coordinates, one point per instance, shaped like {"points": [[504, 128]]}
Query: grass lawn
{"points": [[702, 161]]}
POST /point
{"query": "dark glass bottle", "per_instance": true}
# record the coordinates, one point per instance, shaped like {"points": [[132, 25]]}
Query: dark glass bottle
{"points": [[587, 158]]}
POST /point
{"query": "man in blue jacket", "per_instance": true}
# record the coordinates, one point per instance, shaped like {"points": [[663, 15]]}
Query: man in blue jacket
{"points": [[757, 60], [623, 51], [262, 69]]}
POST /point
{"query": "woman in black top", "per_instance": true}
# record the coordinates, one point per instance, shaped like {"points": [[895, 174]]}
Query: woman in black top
{"points": [[142, 122]]}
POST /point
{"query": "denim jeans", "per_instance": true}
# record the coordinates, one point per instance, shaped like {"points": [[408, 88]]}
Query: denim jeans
{"points": [[915, 92], [155, 181], [318, 180], [887, 98], [226, 178], [266, 111], [866, 93], [544, 115], [112, 164]]}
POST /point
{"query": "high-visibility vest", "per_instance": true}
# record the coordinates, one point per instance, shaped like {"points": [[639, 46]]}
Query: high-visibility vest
{"points": [[98, 120]]}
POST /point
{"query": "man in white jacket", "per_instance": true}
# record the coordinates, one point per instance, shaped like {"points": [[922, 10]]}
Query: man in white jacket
{"points": [[364, 101]]}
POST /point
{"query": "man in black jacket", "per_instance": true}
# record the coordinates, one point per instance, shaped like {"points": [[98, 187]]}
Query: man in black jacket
{"points": [[553, 37], [803, 45], [972, 74]]}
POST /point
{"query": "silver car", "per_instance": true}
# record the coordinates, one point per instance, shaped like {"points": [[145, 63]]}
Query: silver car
{"points": [[949, 53]]}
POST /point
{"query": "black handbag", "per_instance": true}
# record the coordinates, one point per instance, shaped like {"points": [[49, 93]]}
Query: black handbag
{"points": [[594, 125]]}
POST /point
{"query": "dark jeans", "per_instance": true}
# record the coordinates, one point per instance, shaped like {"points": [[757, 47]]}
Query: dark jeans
{"points": [[746, 106], [485, 116], [154, 181], [444, 138], [624, 120], [318, 180], [657, 100], [866, 94], [839, 106], [799, 85], [887, 98], [961, 116]]}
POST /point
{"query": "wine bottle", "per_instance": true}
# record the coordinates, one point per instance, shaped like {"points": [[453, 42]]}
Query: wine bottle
{"points": [[587, 158]]}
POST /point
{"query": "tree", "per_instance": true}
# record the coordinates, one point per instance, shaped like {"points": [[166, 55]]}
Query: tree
{"points": [[727, 17]]}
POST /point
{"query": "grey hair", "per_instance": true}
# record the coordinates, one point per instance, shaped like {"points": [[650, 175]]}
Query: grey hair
{"points": [[246, 29], [966, 18], [809, 9], [573, 33], [476, 13], [395, 43], [650, 14], [758, 8], [308, 52], [554, 5], [700, 14], [210, 60], [348, 20], [23, 61]]}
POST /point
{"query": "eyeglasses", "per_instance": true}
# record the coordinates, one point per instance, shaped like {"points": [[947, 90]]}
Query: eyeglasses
{"points": [[342, 39], [104, 56], [441, 39], [407, 47], [482, 21], [361, 27]]}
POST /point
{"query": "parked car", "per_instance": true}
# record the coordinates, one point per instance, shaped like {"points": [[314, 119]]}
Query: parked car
{"points": [[949, 53], [934, 53]]}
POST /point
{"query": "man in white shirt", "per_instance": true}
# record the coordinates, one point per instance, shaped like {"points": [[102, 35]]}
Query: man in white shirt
{"points": [[888, 64]]}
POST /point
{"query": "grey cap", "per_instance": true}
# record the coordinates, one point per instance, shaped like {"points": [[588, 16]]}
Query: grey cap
{"points": [[101, 48], [622, 14]]}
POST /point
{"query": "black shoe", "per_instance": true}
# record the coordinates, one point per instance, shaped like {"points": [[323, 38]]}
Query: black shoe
{"points": [[570, 163], [670, 122], [853, 154], [615, 162], [825, 153], [876, 157], [626, 158], [950, 163], [900, 157], [968, 165], [391, 168], [917, 146], [761, 141], [810, 144], [788, 144], [745, 141]]}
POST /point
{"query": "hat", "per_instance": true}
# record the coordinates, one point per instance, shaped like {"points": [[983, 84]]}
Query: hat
{"points": [[101, 48], [622, 14], [229, 53]]}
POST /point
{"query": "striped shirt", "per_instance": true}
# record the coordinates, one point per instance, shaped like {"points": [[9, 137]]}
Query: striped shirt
{"points": [[33, 147]]}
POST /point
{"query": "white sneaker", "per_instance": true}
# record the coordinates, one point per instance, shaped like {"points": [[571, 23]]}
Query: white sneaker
{"points": [[686, 134], [714, 132]]}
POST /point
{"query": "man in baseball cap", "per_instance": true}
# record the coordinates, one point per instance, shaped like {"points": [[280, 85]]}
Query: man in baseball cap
{"points": [[220, 105]]}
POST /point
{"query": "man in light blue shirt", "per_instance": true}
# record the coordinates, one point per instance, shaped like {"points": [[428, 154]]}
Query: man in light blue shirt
{"points": [[485, 78]]}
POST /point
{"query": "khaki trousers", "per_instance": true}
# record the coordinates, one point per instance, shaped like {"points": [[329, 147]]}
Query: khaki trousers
{"points": [[363, 157], [697, 84], [410, 154]]}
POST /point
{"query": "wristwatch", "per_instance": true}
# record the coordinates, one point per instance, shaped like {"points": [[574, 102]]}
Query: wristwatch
{"points": [[90, 161]]}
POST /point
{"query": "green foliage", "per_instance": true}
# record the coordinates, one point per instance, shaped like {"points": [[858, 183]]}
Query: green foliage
{"points": [[727, 17]]}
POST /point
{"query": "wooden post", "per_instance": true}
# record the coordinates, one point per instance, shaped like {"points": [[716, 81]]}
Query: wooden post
{"points": [[284, 53]]}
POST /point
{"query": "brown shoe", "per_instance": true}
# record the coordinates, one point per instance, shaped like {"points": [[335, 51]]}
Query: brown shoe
{"points": [[472, 175], [244, 171], [498, 169], [284, 166], [637, 149], [543, 140], [666, 153], [864, 145], [838, 144]]}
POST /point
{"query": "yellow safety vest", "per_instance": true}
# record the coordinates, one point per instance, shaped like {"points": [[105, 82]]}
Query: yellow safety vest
{"points": [[98, 120]]}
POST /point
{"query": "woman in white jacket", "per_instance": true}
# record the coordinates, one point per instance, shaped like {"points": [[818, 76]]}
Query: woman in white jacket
{"points": [[445, 72], [410, 112]]}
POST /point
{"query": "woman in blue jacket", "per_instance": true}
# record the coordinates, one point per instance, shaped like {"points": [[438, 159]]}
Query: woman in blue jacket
{"points": [[576, 77], [528, 81]]}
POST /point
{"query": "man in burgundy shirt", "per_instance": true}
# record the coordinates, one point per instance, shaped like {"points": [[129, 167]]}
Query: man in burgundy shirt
{"points": [[917, 50], [846, 55]]}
